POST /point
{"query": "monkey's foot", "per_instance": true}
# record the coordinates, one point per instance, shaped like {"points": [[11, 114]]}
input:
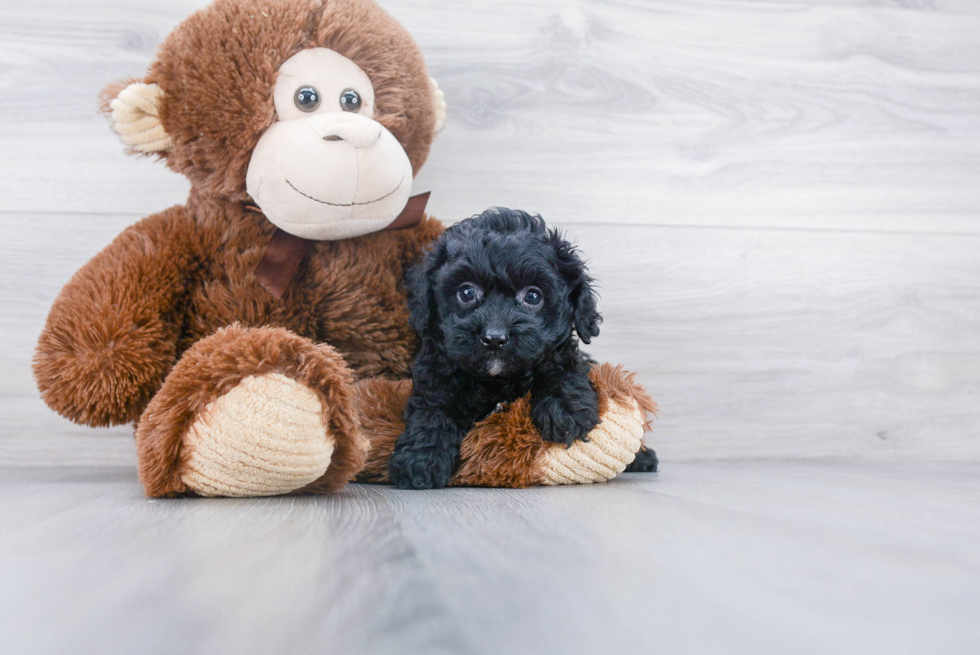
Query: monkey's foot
{"points": [[505, 449], [608, 450], [251, 412], [264, 437]]}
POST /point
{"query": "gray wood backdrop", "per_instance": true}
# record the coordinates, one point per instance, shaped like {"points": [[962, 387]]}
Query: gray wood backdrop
{"points": [[781, 200]]}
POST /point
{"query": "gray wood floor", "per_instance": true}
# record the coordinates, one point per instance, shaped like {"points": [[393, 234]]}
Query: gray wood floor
{"points": [[710, 557]]}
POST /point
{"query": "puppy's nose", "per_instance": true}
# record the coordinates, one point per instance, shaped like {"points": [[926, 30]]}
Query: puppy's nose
{"points": [[495, 338], [359, 131]]}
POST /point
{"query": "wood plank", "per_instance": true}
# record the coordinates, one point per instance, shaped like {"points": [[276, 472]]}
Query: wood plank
{"points": [[756, 343], [734, 557], [769, 557], [290, 575], [856, 115], [33, 435]]}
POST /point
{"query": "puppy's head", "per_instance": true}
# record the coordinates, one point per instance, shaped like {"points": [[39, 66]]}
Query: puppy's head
{"points": [[499, 291]]}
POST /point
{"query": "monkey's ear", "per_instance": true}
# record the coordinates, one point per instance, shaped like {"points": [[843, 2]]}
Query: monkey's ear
{"points": [[439, 102], [135, 113], [585, 314]]}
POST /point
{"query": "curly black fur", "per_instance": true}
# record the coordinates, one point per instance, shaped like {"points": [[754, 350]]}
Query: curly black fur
{"points": [[498, 344], [645, 462]]}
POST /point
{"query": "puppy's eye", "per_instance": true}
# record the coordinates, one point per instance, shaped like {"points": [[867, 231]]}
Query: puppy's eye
{"points": [[531, 298], [467, 294], [307, 98], [350, 100]]}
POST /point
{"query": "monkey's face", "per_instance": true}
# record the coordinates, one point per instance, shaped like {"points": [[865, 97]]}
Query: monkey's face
{"points": [[326, 169], [319, 112]]}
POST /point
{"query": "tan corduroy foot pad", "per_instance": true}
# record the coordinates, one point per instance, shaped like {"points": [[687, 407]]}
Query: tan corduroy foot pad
{"points": [[264, 437], [612, 445]]}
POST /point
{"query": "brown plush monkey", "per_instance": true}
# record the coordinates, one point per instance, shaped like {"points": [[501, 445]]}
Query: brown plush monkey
{"points": [[258, 335]]}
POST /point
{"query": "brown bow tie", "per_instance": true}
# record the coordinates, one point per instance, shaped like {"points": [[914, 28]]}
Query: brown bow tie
{"points": [[286, 251]]}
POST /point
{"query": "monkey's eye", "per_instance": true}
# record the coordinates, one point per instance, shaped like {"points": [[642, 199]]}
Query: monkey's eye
{"points": [[307, 98], [350, 100], [468, 293], [531, 297]]}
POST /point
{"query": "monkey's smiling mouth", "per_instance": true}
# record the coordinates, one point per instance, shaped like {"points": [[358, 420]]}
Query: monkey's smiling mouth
{"points": [[346, 204]]}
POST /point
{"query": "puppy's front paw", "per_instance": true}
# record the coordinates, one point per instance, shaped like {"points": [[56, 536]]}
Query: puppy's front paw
{"points": [[420, 468], [563, 419]]}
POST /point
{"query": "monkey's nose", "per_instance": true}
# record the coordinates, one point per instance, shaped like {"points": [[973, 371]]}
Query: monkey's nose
{"points": [[495, 338], [359, 131]]}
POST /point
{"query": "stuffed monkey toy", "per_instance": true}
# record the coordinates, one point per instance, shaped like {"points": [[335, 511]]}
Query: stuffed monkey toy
{"points": [[258, 335]]}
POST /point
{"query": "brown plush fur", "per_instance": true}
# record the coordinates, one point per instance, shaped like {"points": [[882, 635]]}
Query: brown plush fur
{"points": [[213, 367], [123, 321], [111, 336], [501, 450], [379, 405], [619, 385]]}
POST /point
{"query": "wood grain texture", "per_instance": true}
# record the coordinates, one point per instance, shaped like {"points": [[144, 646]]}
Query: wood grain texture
{"points": [[850, 115], [733, 557], [778, 343]]}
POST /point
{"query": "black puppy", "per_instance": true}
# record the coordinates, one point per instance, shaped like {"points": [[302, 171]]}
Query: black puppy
{"points": [[497, 302]]}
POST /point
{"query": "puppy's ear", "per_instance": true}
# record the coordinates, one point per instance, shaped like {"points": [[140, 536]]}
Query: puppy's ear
{"points": [[422, 307], [585, 315]]}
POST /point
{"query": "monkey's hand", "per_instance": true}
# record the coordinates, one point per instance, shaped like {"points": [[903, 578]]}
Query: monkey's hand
{"points": [[111, 335]]}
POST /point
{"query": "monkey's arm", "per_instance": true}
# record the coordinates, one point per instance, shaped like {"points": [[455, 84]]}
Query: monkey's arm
{"points": [[110, 337]]}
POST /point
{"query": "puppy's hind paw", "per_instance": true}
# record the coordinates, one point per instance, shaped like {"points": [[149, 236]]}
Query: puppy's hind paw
{"points": [[645, 462]]}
